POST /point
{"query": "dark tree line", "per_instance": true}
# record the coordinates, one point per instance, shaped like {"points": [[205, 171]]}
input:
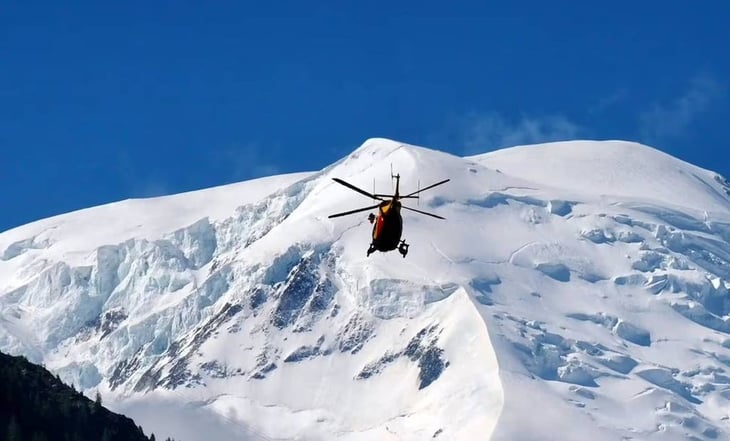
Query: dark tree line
{"points": [[36, 406]]}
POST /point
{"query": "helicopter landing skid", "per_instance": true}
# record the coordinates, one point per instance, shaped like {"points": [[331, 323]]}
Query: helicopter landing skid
{"points": [[403, 248], [371, 250]]}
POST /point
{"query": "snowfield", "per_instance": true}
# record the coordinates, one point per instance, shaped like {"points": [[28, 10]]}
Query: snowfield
{"points": [[577, 290]]}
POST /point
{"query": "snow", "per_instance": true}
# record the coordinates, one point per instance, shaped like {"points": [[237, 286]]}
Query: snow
{"points": [[613, 169], [67, 236], [576, 290]]}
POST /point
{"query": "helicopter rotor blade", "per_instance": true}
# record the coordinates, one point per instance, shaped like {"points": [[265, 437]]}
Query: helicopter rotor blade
{"points": [[390, 196], [345, 213], [359, 190], [426, 188], [423, 212]]}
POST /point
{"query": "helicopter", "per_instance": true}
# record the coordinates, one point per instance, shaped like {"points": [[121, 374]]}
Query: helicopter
{"points": [[388, 224]]}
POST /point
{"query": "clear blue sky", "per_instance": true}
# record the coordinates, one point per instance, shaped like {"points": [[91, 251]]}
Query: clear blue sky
{"points": [[102, 101]]}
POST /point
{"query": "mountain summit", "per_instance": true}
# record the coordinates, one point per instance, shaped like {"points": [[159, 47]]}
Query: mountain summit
{"points": [[576, 290]]}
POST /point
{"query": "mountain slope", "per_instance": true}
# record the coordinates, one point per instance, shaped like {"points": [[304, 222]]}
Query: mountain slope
{"points": [[613, 169], [573, 291]]}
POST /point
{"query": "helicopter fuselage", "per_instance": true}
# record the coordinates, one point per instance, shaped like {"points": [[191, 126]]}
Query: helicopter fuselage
{"points": [[388, 226]]}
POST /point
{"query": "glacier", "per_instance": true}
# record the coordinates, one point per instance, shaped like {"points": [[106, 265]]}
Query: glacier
{"points": [[577, 289]]}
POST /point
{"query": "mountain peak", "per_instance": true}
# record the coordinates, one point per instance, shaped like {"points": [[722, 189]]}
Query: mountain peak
{"points": [[588, 277]]}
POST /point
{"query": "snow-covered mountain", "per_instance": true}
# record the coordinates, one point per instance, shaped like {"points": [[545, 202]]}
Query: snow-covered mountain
{"points": [[577, 290]]}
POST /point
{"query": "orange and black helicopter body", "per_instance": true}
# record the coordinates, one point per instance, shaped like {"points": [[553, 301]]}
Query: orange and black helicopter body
{"points": [[388, 224]]}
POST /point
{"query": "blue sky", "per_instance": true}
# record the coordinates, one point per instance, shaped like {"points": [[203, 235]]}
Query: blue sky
{"points": [[100, 102]]}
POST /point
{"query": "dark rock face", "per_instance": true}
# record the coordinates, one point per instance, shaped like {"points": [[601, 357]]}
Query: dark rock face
{"points": [[265, 363], [257, 298], [324, 292], [431, 366], [306, 352], [110, 321], [261, 374], [180, 373], [306, 293], [355, 334], [421, 349], [123, 370], [377, 367], [297, 292]]}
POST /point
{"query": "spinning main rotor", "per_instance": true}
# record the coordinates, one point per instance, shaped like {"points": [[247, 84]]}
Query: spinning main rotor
{"points": [[387, 197]]}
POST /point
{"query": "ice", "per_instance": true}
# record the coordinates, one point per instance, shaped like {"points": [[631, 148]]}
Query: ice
{"points": [[632, 333]]}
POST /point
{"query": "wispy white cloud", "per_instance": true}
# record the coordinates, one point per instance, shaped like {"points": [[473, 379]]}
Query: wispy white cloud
{"points": [[150, 189], [247, 161], [138, 185], [606, 103], [228, 164], [488, 131], [673, 118]]}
